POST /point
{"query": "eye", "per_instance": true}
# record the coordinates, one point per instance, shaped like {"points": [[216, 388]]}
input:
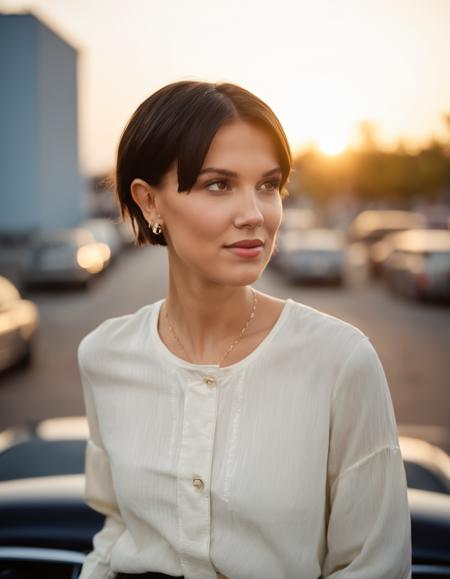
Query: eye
{"points": [[216, 182], [274, 185]]}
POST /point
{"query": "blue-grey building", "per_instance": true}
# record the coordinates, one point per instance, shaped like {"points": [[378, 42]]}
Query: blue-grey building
{"points": [[40, 182]]}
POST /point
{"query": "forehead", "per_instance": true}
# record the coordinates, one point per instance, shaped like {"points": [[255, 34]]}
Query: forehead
{"points": [[241, 142], [237, 146]]}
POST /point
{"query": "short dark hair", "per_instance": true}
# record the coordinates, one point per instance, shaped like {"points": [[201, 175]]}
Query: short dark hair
{"points": [[178, 123]]}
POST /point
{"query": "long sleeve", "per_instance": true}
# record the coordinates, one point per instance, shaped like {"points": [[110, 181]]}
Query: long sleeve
{"points": [[369, 528], [98, 492]]}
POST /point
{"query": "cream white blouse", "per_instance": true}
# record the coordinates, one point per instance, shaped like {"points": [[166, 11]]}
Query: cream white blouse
{"points": [[284, 465]]}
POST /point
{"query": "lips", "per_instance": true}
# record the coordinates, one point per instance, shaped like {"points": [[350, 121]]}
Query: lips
{"points": [[247, 243]]}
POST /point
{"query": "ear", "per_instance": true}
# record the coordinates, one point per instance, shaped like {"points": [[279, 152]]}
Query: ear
{"points": [[144, 197]]}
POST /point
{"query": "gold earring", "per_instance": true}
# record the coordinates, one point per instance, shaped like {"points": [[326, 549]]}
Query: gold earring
{"points": [[156, 228]]}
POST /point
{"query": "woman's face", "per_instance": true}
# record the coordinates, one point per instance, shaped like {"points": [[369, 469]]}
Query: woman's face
{"points": [[236, 200]]}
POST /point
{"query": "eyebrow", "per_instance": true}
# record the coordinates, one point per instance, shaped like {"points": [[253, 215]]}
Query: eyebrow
{"points": [[228, 173]]}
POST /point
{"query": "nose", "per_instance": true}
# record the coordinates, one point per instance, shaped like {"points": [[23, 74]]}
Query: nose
{"points": [[249, 213]]}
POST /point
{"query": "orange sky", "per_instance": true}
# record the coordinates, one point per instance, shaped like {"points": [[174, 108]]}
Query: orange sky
{"points": [[323, 65]]}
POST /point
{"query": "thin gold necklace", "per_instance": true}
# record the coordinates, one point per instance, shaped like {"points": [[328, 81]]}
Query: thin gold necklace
{"points": [[232, 345]]}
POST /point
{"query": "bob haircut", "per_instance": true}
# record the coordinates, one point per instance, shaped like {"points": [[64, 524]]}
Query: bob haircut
{"points": [[177, 124]]}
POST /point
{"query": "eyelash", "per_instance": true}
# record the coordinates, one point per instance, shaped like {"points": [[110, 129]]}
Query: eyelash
{"points": [[275, 183]]}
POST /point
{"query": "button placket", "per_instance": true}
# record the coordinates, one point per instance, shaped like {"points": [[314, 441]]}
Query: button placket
{"points": [[194, 472]]}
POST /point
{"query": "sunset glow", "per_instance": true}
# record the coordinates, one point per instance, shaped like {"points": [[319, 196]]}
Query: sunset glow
{"points": [[332, 146], [323, 67]]}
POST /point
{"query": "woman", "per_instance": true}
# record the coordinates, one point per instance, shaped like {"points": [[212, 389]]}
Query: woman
{"points": [[232, 434]]}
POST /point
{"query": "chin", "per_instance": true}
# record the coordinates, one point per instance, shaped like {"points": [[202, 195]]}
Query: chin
{"points": [[246, 276]]}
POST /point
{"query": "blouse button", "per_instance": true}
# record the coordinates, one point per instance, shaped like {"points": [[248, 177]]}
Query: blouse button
{"points": [[198, 483], [209, 381]]}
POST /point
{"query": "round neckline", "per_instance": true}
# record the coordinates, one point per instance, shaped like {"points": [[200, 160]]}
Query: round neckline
{"points": [[170, 356]]}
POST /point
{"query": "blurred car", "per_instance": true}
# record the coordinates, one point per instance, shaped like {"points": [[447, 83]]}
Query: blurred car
{"points": [[47, 528], [54, 446], [64, 256], [294, 219], [298, 218], [427, 466], [371, 226], [379, 253], [104, 231], [19, 320], [313, 255], [418, 263]]}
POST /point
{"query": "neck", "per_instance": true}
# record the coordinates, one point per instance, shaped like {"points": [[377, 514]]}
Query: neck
{"points": [[207, 319]]}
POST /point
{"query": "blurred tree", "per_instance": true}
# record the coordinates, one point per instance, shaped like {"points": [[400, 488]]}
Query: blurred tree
{"points": [[397, 178], [432, 170], [368, 136]]}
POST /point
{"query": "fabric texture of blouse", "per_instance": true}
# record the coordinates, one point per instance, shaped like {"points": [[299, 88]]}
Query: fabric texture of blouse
{"points": [[284, 465]]}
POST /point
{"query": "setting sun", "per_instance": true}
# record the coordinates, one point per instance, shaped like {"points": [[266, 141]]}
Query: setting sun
{"points": [[332, 145], [325, 114]]}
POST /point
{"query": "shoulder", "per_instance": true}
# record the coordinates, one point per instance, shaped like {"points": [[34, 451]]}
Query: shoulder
{"points": [[318, 340], [319, 325], [337, 344], [113, 335]]}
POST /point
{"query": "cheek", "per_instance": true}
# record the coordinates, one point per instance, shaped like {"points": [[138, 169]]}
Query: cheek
{"points": [[208, 223], [199, 223]]}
